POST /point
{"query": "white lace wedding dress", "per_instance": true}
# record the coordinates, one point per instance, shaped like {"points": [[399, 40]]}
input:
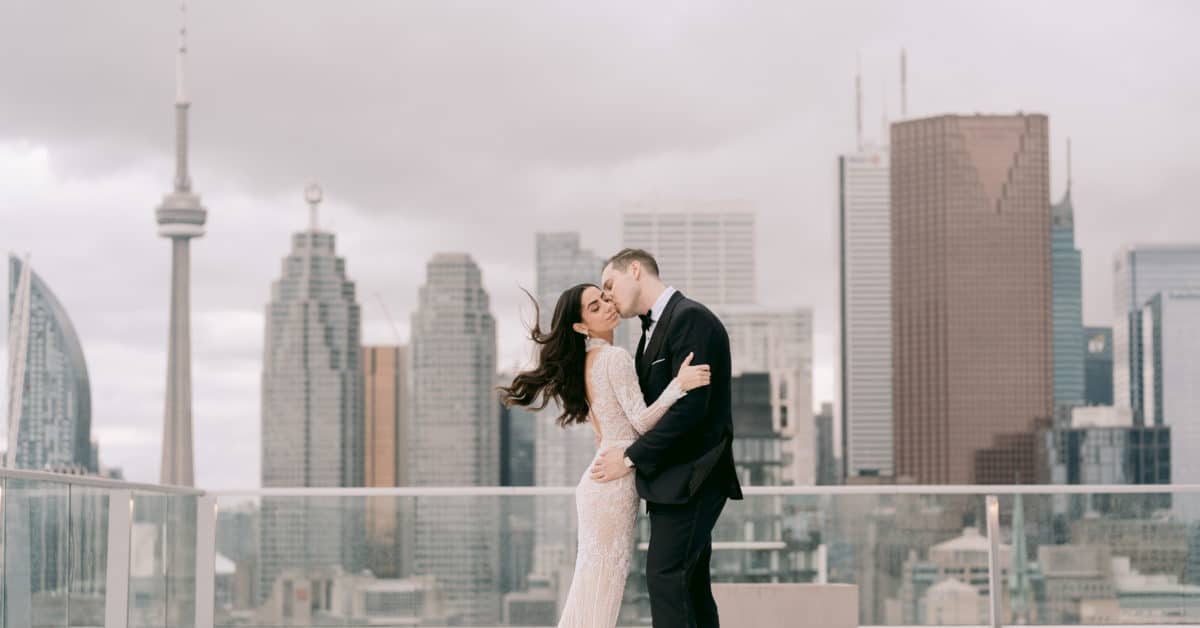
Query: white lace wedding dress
{"points": [[607, 511]]}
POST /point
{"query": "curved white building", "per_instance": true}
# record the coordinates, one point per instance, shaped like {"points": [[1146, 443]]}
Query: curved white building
{"points": [[49, 379]]}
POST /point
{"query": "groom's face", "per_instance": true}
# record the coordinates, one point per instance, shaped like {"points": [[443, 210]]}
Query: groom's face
{"points": [[622, 288]]}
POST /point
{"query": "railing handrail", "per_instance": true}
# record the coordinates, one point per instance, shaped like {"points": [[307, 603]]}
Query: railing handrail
{"points": [[566, 491], [815, 491], [96, 482]]}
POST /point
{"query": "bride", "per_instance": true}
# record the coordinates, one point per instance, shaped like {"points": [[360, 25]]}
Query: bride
{"points": [[595, 382]]}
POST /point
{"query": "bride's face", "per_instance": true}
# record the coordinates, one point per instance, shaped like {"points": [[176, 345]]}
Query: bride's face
{"points": [[599, 313]]}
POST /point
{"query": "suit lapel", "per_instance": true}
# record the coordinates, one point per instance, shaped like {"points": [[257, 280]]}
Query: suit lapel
{"points": [[659, 338]]}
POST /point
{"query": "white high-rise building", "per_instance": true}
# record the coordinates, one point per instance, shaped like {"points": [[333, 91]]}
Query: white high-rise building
{"points": [[1170, 323], [706, 250], [1140, 273], [866, 313], [312, 409], [779, 342], [454, 437]]}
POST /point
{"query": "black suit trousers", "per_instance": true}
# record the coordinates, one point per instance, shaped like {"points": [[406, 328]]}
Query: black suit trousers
{"points": [[677, 563]]}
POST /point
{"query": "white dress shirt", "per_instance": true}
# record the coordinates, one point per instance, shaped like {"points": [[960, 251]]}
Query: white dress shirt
{"points": [[655, 314], [657, 311]]}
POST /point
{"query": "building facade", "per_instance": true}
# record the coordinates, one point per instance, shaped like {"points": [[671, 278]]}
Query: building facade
{"points": [[866, 312], [1067, 288], [1140, 272], [971, 293], [48, 383], [455, 437], [1098, 366], [385, 433], [312, 410]]}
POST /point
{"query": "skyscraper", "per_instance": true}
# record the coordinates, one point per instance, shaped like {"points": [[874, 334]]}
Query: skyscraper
{"points": [[312, 408], [386, 397], [1170, 351], [48, 383], [1067, 288], [455, 437], [866, 312], [385, 436], [560, 454], [763, 339], [518, 512], [180, 217], [706, 250], [517, 443], [777, 343], [971, 295], [1098, 366], [1140, 272]]}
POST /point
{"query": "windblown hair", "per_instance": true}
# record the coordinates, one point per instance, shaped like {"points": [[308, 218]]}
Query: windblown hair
{"points": [[559, 374]]}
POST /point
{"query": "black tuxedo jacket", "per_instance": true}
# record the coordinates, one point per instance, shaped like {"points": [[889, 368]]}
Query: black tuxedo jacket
{"points": [[693, 442]]}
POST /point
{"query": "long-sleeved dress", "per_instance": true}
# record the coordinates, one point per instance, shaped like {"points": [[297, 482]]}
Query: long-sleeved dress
{"points": [[607, 511]]}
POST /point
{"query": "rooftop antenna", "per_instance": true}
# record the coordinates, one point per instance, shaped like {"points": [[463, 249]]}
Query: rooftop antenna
{"points": [[903, 84], [1068, 166], [388, 315], [858, 104]]}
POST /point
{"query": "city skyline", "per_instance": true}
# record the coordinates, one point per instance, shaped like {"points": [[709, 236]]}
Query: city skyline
{"points": [[100, 167]]}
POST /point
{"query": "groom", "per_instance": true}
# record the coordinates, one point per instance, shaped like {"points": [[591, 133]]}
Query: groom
{"points": [[684, 465]]}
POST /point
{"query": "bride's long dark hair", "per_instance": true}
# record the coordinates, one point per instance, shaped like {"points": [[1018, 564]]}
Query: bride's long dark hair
{"points": [[559, 374]]}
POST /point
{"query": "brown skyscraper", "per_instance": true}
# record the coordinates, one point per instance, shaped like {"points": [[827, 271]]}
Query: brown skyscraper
{"points": [[971, 311], [385, 409]]}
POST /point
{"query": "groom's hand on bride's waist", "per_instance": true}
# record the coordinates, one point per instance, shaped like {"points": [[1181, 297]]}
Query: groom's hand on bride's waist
{"points": [[610, 465]]}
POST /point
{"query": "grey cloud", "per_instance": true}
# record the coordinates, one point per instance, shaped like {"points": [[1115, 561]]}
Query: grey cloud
{"points": [[469, 126]]}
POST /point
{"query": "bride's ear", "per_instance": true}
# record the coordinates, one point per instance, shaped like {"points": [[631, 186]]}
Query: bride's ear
{"points": [[580, 328]]}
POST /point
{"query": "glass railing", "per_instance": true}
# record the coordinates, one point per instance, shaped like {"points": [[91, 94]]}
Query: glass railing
{"points": [[81, 552], [915, 555]]}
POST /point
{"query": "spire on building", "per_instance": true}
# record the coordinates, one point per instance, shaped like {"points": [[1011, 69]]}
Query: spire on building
{"points": [[313, 196], [885, 132], [183, 181], [181, 55], [858, 142], [1063, 212], [1068, 167], [903, 84]]}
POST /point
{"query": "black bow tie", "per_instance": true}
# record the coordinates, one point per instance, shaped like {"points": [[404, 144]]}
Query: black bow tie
{"points": [[646, 321]]}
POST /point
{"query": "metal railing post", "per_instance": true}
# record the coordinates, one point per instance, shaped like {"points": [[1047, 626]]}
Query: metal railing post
{"points": [[116, 591], [994, 580], [206, 558]]}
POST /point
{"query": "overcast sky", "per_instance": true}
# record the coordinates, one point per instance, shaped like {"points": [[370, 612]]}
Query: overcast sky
{"points": [[448, 126]]}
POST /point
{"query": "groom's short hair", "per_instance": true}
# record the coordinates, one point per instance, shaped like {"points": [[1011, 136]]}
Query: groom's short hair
{"points": [[621, 260]]}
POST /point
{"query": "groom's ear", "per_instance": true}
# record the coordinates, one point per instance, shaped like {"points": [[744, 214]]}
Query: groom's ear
{"points": [[635, 269]]}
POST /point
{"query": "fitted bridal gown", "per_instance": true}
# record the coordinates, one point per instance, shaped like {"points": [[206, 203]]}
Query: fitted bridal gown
{"points": [[607, 511]]}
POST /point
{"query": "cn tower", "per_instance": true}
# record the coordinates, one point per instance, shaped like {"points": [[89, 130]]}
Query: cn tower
{"points": [[180, 218]]}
